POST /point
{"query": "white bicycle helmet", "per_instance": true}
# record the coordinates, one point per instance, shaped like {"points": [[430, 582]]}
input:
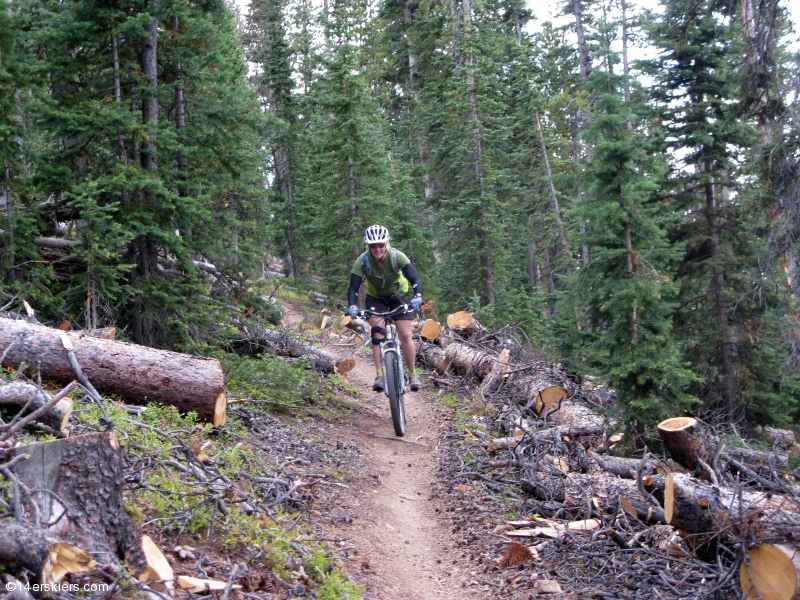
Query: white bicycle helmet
{"points": [[376, 234]]}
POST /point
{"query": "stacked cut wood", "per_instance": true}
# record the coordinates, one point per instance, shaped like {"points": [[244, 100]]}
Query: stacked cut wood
{"points": [[700, 493]]}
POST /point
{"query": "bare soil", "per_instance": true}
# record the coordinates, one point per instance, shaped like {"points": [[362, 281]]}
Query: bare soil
{"points": [[388, 523]]}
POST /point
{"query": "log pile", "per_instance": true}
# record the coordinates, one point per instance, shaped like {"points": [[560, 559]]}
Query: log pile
{"points": [[726, 517]]}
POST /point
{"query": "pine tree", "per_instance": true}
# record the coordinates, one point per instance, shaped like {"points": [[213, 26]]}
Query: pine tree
{"points": [[702, 129]]}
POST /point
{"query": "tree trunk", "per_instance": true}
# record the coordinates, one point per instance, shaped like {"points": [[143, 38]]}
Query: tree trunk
{"points": [[136, 374], [77, 486], [46, 555]]}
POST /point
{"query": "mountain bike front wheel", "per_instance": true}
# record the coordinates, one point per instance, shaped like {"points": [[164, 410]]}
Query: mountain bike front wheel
{"points": [[394, 387]]}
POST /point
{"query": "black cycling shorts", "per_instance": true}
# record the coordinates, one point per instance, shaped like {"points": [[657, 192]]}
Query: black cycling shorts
{"points": [[387, 304]]}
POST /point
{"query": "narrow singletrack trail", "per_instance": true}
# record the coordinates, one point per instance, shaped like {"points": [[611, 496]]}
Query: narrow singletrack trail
{"points": [[387, 521]]}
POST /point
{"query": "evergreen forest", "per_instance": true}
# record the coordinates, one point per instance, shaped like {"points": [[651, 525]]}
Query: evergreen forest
{"points": [[621, 186]]}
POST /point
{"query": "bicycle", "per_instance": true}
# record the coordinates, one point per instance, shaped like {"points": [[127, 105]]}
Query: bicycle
{"points": [[394, 381]]}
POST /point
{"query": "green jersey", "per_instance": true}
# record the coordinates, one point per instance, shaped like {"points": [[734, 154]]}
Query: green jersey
{"points": [[383, 282]]}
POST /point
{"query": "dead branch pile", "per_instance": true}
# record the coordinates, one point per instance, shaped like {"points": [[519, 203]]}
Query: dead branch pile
{"points": [[696, 520]]}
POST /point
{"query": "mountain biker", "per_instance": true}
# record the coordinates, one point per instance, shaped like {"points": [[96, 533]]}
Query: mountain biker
{"points": [[391, 280]]}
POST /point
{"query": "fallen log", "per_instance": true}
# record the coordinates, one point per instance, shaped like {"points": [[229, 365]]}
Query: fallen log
{"points": [[137, 374], [74, 486], [771, 572], [695, 506], [280, 343], [756, 458], [22, 394], [579, 494], [41, 552]]}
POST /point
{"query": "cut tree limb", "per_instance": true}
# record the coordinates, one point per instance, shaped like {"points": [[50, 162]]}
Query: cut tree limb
{"points": [[20, 393], [43, 553], [360, 326], [137, 374]]}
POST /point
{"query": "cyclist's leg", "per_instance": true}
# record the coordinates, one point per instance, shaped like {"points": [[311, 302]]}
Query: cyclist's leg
{"points": [[409, 352], [376, 349]]}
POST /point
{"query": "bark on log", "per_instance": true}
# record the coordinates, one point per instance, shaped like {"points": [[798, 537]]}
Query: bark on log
{"points": [[43, 553], [698, 507], [136, 374], [756, 458], [685, 442], [77, 484], [21, 394], [771, 572], [280, 343]]}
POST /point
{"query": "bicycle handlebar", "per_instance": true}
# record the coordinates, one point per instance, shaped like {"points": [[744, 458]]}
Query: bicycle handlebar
{"points": [[402, 309]]}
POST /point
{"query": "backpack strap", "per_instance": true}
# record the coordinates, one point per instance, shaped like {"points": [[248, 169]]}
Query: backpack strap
{"points": [[393, 258], [365, 266]]}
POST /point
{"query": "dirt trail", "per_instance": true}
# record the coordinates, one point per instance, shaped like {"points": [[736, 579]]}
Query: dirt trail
{"points": [[388, 527]]}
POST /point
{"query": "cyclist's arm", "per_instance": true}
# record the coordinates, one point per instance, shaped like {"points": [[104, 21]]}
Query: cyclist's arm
{"points": [[352, 292], [411, 274]]}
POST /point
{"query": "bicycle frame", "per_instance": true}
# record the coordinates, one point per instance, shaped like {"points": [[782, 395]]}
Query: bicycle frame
{"points": [[394, 380]]}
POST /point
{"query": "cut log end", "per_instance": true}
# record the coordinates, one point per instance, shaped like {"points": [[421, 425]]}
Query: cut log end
{"points": [[677, 424], [220, 410], [669, 498], [770, 572], [548, 398], [345, 366], [430, 330]]}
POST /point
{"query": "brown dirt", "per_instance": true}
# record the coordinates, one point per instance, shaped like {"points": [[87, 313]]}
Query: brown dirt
{"points": [[387, 522]]}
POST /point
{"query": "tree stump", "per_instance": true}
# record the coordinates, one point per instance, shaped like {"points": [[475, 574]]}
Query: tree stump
{"points": [[77, 486], [685, 442]]}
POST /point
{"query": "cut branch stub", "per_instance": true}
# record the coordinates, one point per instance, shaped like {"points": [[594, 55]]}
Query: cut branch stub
{"points": [[770, 572]]}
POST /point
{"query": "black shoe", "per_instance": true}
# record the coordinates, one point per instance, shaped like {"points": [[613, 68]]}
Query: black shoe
{"points": [[414, 384], [378, 385]]}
